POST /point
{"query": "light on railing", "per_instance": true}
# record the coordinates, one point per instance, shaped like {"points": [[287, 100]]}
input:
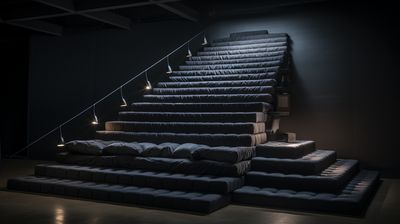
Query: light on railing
{"points": [[205, 42], [61, 142], [95, 119], [189, 53], [148, 84], [169, 71], [123, 101]]}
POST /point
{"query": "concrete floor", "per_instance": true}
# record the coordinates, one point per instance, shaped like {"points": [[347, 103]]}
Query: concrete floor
{"points": [[16, 207]]}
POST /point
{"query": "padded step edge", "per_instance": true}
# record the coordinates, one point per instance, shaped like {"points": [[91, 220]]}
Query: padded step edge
{"points": [[211, 84], [201, 107], [245, 42]]}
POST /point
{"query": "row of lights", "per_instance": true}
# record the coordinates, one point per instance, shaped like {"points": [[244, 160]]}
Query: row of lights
{"points": [[148, 86]]}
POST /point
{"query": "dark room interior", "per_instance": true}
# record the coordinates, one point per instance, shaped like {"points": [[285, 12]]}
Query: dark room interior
{"points": [[178, 111]]}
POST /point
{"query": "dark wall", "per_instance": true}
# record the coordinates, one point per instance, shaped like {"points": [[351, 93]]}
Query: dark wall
{"points": [[344, 91], [14, 70], [71, 72]]}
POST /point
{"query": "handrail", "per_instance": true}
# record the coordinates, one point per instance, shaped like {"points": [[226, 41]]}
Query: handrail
{"points": [[106, 96]]}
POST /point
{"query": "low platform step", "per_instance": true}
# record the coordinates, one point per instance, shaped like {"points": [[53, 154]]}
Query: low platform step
{"points": [[236, 71], [235, 61], [237, 56], [246, 46], [194, 116], [216, 78], [310, 164], [351, 200], [245, 42], [261, 97], [206, 139], [332, 179], [156, 197], [293, 150], [202, 107], [214, 90], [242, 51], [209, 84], [141, 178], [186, 127], [230, 66]]}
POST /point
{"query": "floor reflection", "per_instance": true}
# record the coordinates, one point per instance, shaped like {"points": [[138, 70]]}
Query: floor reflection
{"points": [[59, 215]]}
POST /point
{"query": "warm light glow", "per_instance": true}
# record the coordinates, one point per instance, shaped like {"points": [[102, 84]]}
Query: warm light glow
{"points": [[95, 120], [60, 145], [59, 215], [189, 54], [148, 86], [124, 104]]}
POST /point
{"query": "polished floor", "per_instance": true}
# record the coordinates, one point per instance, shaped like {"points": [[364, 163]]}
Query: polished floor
{"points": [[16, 207]]}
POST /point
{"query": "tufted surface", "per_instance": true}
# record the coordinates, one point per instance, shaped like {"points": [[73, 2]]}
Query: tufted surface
{"points": [[293, 150], [202, 107]]}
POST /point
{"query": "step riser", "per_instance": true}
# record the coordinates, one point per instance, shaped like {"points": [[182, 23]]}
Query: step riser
{"points": [[194, 117], [322, 183], [206, 139], [233, 83], [142, 179], [246, 42], [225, 128], [230, 66], [226, 72], [209, 98], [240, 52], [225, 90], [245, 47], [246, 77], [122, 194], [201, 107], [238, 56], [236, 61]]}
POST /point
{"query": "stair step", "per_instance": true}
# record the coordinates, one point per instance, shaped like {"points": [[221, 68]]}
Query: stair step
{"points": [[248, 33], [332, 179], [186, 127], [233, 77], [209, 84], [206, 139], [171, 199], [242, 51], [250, 37], [226, 71], [194, 116], [351, 200], [236, 61], [310, 164], [293, 150], [246, 42], [202, 107], [230, 66], [141, 178], [238, 56], [262, 97], [246, 46], [214, 90]]}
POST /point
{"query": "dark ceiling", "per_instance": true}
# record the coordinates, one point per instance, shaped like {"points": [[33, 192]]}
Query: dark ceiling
{"points": [[55, 16]]}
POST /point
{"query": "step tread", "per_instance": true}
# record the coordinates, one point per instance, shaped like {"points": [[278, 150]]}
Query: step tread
{"points": [[245, 42], [311, 163], [247, 46], [227, 83], [141, 178], [235, 61], [202, 107], [236, 71], [250, 37], [213, 90], [332, 179], [242, 51], [262, 97], [228, 77], [213, 139], [278, 149], [352, 198], [186, 127], [157, 197], [237, 56], [230, 66]]}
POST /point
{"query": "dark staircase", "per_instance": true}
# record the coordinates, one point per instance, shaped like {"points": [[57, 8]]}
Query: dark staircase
{"points": [[198, 141]]}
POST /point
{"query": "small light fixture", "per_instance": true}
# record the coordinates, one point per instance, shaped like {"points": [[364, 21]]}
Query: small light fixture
{"points": [[61, 142], [148, 84], [189, 53], [205, 42], [169, 71], [95, 119], [123, 101]]}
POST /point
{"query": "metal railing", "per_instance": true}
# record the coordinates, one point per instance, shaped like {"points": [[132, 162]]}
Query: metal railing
{"points": [[92, 106]]}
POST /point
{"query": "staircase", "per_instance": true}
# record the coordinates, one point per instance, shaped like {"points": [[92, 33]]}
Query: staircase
{"points": [[198, 141]]}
